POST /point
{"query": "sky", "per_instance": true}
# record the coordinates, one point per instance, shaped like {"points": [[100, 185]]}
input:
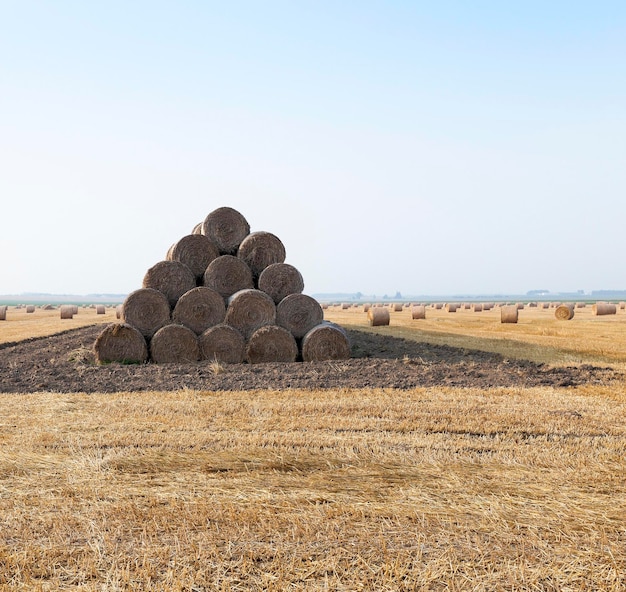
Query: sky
{"points": [[421, 147]]}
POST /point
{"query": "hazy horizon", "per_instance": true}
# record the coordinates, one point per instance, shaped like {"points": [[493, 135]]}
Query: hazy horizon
{"points": [[446, 148]]}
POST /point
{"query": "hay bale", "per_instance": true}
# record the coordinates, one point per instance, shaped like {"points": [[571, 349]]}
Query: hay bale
{"points": [[120, 343], [271, 343], [438, 305], [452, 306], [603, 308], [3, 313], [261, 249], [509, 313], [326, 341], [100, 309], [248, 310], [226, 228], [279, 280], [228, 274], [397, 307], [175, 344], [30, 308], [67, 311], [378, 316], [222, 343], [199, 309], [171, 278], [366, 306], [299, 313], [118, 311], [477, 307], [564, 312], [581, 304], [197, 229], [147, 310], [418, 312], [196, 251], [345, 305]]}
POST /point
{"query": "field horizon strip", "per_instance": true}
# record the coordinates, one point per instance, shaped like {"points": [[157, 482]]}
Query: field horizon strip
{"points": [[434, 488]]}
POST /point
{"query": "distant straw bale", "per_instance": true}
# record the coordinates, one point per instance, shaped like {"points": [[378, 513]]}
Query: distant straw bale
{"points": [[199, 309], [261, 249], [271, 343], [3, 313], [366, 306], [66, 311], [299, 313], [227, 228], [227, 274], [100, 309], [171, 278], [564, 312], [197, 229], [397, 307], [326, 341], [174, 344], [222, 343], [581, 304], [118, 311], [345, 305], [509, 313], [196, 251], [279, 280], [147, 310], [418, 312], [248, 310], [30, 308], [603, 308], [452, 306], [120, 343], [378, 316]]}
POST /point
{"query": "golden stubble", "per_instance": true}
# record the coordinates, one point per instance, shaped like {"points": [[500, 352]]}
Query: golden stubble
{"points": [[433, 488]]}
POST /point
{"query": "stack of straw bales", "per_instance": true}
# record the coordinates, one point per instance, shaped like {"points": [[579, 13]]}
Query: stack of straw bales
{"points": [[222, 293]]}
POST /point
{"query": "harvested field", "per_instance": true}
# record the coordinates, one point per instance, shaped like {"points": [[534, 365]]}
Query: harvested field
{"points": [[451, 454]]}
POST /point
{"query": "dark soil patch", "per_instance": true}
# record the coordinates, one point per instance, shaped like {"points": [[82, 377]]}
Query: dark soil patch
{"points": [[64, 363]]}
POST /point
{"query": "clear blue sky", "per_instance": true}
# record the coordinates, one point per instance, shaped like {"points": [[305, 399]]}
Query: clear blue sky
{"points": [[426, 147]]}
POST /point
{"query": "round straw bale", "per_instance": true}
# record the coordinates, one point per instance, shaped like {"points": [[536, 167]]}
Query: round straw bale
{"points": [[438, 305], [118, 311], [196, 251], [326, 341], [477, 307], [260, 249], [298, 313], [509, 313], [248, 310], [581, 304], [397, 307], [120, 342], [603, 308], [271, 343], [199, 309], [174, 344], [452, 306], [378, 316], [226, 227], [100, 309], [366, 306], [147, 310], [345, 305], [222, 343], [564, 312], [197, 229], [172, 278], [418, 312], [228, 274], [67, 311], [3, 313], [279, 280], [30, 308]]}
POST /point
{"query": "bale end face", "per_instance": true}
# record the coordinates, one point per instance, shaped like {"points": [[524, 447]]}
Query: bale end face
{"points": [[326, 341], [120, 343]]}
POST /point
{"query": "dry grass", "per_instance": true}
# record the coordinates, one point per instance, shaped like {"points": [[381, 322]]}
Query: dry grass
{"points": [[426, 489], [537, 336], [22, 325], [376, 490]]}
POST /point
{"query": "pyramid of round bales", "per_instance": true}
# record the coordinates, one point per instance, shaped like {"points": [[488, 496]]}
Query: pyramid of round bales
{"points": [[222, 294]]}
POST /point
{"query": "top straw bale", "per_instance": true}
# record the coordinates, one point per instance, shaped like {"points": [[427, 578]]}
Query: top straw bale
{"points": [[226, 227]]}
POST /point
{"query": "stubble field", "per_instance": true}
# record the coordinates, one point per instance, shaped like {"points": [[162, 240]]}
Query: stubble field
{"points": [[422, 488]]}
